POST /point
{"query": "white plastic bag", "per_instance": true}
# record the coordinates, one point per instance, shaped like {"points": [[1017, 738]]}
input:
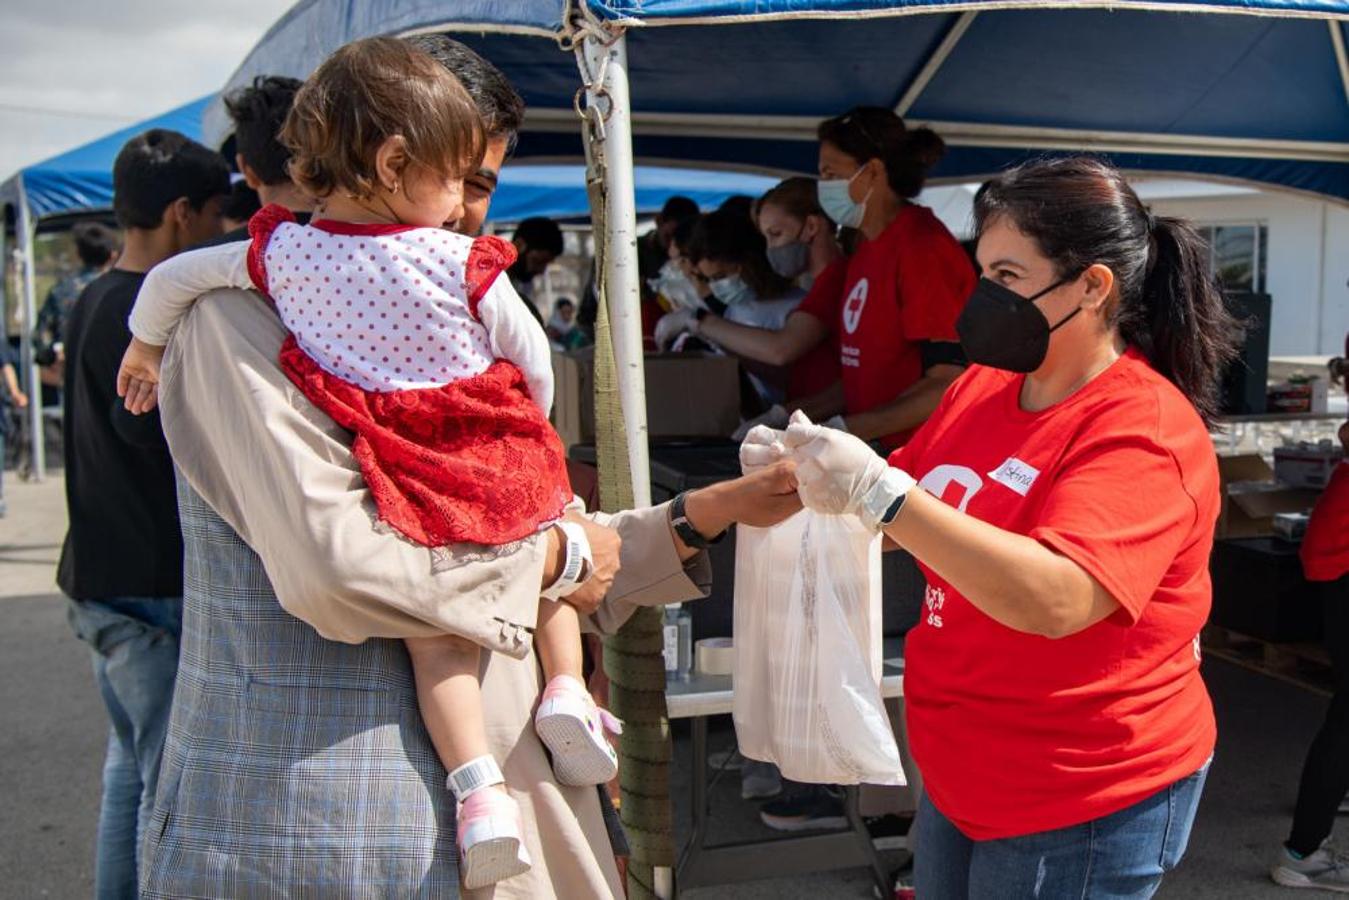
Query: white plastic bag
{"points": [[808, 651]]}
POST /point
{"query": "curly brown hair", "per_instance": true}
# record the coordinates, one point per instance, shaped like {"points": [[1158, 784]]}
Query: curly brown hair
{"points": [[367, 92]]}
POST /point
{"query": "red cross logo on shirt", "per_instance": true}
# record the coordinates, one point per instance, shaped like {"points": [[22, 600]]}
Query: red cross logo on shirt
{"points": [[853, 306]]}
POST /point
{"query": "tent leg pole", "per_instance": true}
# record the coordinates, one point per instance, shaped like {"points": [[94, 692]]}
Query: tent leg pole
{"points": [[37, 437], [621, 265]]}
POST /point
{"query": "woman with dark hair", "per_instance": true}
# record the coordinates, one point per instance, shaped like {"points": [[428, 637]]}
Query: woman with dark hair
{"points": [[730, 254], [1068, 502], [893, 312]]}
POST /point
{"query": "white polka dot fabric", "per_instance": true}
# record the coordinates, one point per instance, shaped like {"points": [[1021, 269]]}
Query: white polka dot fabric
{"points": [[384, 312]]}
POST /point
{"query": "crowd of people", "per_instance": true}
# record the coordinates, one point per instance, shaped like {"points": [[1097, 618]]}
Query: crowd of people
{"points": [[325, 548]]}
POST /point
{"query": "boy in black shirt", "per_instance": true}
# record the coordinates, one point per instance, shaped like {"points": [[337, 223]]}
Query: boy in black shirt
{"points": [[122, 563]]}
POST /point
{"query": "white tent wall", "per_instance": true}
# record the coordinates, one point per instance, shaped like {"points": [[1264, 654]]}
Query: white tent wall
{"points": [[1307, 263], [1335, 281]]}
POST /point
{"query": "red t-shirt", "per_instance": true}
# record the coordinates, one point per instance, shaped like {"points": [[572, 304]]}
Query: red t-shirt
{"points": [[1325, 549], [818, 369], [1015, 733], [906, 286]]}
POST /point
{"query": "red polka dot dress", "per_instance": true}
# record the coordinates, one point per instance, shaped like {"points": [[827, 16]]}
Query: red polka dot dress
{"points": [[409, 338]]}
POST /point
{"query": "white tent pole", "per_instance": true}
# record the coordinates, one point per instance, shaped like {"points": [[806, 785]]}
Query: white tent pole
{"points": [[621, 274], [1341, 57], [37, 438], [934, 62]]}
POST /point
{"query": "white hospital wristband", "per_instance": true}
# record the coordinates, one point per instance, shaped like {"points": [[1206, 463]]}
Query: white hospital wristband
{"points": [[576, 565]]}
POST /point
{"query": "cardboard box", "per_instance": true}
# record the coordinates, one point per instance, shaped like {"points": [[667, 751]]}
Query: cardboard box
{"points": [[574, 395], [1251, 497], [692, 395], [688, 395], [1307, 465]]}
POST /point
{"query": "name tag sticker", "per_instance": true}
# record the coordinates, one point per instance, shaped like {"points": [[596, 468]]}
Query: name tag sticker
{"points": [[1015, 474]]}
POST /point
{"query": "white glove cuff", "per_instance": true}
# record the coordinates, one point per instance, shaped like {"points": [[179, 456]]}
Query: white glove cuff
{"points": [[892, 485], [576, 565]]}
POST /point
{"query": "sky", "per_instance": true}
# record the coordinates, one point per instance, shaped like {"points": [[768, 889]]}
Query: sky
{"points": [[75, 70]]}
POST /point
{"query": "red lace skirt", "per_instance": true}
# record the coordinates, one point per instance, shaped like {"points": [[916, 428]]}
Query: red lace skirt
{"points": [[474, 460]]}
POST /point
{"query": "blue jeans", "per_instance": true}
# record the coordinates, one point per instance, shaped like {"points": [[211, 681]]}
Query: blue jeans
{"points": [[135, 650], [1121, 856]]}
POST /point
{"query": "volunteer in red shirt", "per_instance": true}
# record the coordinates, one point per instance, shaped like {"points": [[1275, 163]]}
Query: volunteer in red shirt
{"points": [[895, 313], [1302, 860], [1070, 492], [802, 245]]}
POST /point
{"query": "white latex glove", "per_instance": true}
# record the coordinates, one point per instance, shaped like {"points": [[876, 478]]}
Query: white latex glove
{"points": [[762, 447], [673, 324], [776, 417], [838, 474]]}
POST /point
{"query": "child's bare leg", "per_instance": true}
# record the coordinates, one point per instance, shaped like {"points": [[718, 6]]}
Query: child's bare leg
{"points": [[450, 697], [557, 640], [488, 826], [568, 722]]}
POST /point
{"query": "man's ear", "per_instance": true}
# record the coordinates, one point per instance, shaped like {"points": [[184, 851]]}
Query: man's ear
{"points": [[177, 213], [250, 177]]}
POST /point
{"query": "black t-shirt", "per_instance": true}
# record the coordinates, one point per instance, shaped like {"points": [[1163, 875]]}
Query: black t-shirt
{"points": [[123, 538]]}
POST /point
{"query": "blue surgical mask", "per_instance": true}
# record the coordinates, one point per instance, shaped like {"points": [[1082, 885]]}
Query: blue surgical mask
{"points": [[789, 260], [731, 290], [836, 203]]}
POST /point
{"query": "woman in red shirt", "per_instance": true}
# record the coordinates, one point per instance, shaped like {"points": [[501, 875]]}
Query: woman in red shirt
{"points": [[893, 313], [1303, 861], [1070, 492]]}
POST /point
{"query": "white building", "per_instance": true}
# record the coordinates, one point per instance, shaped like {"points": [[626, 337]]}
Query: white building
{"points": [[1291, 246]]}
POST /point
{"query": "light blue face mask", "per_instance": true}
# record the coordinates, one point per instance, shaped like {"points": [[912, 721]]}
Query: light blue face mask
{"points": [[836, 203], [731, 290]]}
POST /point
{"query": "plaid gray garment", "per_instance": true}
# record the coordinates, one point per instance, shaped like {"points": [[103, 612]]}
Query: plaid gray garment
{"points": [[294, 766]]}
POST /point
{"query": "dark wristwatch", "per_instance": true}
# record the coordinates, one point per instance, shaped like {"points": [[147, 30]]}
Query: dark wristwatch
{"points": [[687, 533], [699, 314]]}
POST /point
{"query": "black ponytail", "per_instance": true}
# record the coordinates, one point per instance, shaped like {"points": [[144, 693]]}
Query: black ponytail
{"points": [[1081, 211], [874, 132], [1180, 321]]}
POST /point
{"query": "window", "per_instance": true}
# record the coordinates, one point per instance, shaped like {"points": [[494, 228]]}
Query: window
{"points": [[1237, 254]]}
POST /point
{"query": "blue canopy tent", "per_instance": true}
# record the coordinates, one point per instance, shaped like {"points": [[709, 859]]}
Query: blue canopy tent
{"points": [[1248, 90], [77, 181], [558, 191]]}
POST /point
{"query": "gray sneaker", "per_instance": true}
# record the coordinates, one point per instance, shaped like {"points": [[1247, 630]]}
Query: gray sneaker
{"points": [[1321, 870], [759, 780]]}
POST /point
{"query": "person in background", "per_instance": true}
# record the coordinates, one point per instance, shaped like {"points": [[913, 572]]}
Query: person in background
{"points": [[1304, 860], [738, 204], [97, 246], [538, 241], [802, 245], [1068, 496], [257, 112], [904, 286], [653, 248], [243, 202], [730, 253], [562, 330], [10, 395], [122, 562]]}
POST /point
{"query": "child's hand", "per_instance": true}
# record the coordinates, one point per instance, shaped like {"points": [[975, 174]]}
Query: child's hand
{"points": [[138, 378]]}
